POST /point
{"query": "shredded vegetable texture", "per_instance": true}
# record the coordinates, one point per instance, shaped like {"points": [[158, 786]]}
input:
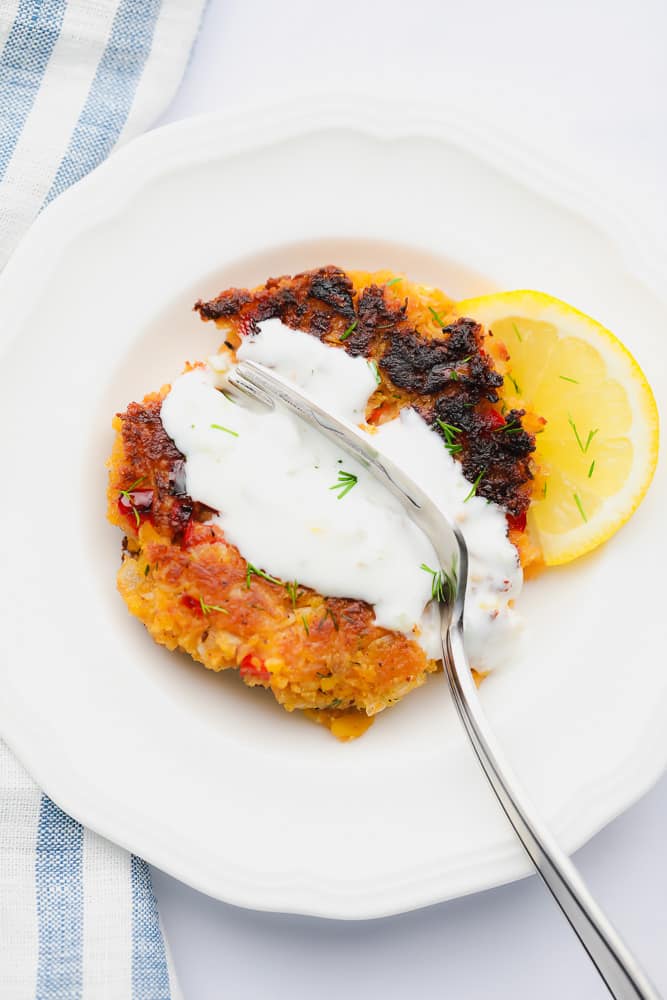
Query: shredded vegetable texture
{"points": [[236, 609]]}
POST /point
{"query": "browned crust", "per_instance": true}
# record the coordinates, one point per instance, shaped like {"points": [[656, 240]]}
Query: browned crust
{"points": [[445, 372], [190, 587], [310, 651]]}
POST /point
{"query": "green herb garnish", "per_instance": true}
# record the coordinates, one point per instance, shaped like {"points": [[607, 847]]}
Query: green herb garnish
{"points": [[579, 504], [435, 316], [591, 434], [393, 281], [544, 490], [450, 441], [566, 378], [443, 584], [590, 471], [207, 608], [132, 486], [351, 328], [516, 330], [253, 571], [329, 614], [292, 592], [126, 493], [219, 427], [305, 624], [473, 489], [346, 480], [374, 368], [514, 383], [510, 427]]}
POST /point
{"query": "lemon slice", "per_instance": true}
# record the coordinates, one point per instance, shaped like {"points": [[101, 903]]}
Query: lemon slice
{"points": [[599, 446]]}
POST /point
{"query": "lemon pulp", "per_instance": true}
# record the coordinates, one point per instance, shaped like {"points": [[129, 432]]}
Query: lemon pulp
{"points": [[598, 449]]}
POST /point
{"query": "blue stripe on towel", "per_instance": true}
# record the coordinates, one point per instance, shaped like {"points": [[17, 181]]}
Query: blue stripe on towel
{"points": [[112, 92], [59, 888], [150, 975], [24, 59]]}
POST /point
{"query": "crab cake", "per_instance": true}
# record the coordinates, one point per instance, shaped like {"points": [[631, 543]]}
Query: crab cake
{"points": [[195, 591]]}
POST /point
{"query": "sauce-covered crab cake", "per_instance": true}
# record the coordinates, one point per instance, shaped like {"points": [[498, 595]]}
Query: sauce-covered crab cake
{"points": [[253, 543]]}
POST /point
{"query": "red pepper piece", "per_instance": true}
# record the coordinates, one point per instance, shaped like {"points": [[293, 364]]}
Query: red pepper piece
{"points": [[253, 666], [189, 534], [136, 504], [516, 522], [376, 415], [494, 419], [192, 604]]}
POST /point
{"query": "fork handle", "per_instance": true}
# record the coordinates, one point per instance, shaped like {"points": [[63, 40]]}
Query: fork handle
{"points": [[617, 966]]}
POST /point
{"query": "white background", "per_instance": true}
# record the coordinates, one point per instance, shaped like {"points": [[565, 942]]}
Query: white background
{"points": [[586, 79]]}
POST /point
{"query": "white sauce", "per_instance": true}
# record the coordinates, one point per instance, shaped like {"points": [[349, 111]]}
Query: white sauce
{"points": [[271, 485]]}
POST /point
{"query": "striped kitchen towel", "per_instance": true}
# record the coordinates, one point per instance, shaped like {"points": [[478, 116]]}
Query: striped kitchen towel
{"points": [[78, 917], [78, 78]]}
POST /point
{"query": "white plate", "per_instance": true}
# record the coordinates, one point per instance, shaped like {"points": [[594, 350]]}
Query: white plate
{"points": [[203, 777]]}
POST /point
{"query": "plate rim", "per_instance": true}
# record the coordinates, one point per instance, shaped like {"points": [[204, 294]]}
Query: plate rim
{"points": [[105, 192]]}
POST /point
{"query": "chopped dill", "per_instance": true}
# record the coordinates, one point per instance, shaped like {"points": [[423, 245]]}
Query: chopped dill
{"points": [[292, 592], [473, 489], [514, 382], [510, 427], [126, 493], [329, 614], [132, 486], [591, 434], [351, 328], [253, 571], [435, 316], [579, 504], [219, 427], [443, 584], [394, 281], [346, 481], [592, 469], [147, 570], [305, 624], [566, 378], [516, 330], [448, 430], [376, 373], [207, 608], [544, 489]]}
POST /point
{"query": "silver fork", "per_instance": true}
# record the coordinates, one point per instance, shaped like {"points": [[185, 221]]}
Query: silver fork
{"points": [[616, 965]]}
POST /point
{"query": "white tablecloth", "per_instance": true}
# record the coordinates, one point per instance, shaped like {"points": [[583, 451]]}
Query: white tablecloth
{"points": [[587, 77]]}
